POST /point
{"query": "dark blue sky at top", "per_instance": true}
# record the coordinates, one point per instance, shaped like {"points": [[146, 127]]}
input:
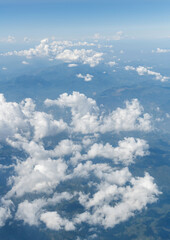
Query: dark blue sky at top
{"points": [[81, 18]]}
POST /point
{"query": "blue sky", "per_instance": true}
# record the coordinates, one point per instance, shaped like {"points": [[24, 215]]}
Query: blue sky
{"points": [[81, 18]]}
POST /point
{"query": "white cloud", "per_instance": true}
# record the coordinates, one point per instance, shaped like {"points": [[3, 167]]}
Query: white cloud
{"points": [[29, 211], [66, 147], [72, 65], [83, 109], [128, 119], [9, 39], [37, 176], [45, 125], [87, 77], [78, 103], [12, 118], [62, 50], [25, 62], [16, 118], [126, 152], [127, 68], [85, 56], [146, 71], [112, 63], [53, 168], [4, 215], [4, 68], [103, 172], [167, 115], [160, 50], [86, 117], [131, 199], [54, 221]]}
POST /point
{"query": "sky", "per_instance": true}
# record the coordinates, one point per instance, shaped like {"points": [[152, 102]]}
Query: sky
{"points": [[90, 133], [84, 18]]}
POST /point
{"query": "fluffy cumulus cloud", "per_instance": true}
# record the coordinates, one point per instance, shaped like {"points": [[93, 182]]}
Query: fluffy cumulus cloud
{"points": [[87, 118], [48, 173], [55, 222], [85, 56], [29, 211], [87, 77], [147, 71], [19, 117], [127, 150], [133, 198], [5, 212], [12, 118], [66, 51], [41, 177], [4, 215]]}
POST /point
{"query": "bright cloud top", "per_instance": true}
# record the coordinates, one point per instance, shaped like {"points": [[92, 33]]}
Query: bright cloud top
{"points": [[146, 71], [160, 50], [86, 116], [62, 50], [87, 77], [56, 171]]}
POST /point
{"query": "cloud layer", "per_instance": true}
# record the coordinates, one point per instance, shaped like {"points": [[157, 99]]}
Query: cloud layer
{"points": [[146, 71], [66, 51], [80, 168], [87, 118], [161, 50]]}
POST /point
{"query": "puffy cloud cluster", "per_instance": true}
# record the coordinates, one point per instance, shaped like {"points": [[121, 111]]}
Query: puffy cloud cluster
{"points": [[85, 56], [48, 174], [12, 118], [20, 117], [127, 150], [146, 71], [5, 210], [4, 215], [133, 198], [62, 50], [86, 116], [160, 50], [87, 77], [31, 212], [54, 221]]}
